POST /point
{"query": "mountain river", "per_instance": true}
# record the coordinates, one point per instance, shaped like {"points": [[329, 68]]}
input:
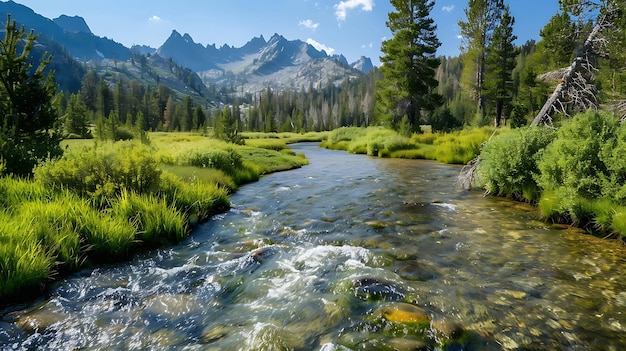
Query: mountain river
{"points": [[348, 253]]}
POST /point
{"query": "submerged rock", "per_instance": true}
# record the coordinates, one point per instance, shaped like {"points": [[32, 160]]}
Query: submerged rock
{"points": [[417, 271], [376, 289], [401, 312], [39, 319]]}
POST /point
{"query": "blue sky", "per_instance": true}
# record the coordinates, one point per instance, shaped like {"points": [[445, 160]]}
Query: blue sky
{"points": [[349, 27]]}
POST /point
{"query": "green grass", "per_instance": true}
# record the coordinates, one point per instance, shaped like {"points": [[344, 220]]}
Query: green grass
{"points": [[457, 147], [102, 201]]}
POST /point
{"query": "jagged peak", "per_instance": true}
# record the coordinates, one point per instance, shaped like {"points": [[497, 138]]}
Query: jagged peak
{"points": [[188, 38]]}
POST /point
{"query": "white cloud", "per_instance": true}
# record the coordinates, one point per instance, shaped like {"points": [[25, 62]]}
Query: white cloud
{"points": [[155, 18], [370, 45], [447, 8], [320, 46], [309, 24], [342, 8]]}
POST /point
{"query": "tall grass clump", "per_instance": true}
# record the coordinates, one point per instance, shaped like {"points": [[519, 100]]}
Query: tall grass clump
{"points": [[15, 191], [197, 200], [157, 223], [25, 264], [53, 224], [509, 163], [618, 222], [103, 171]]}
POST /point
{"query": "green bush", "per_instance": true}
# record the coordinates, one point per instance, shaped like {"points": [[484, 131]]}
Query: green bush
{"points": [[573, 164], [508, 164], [103, 171], [226, 160], [614, 180]]}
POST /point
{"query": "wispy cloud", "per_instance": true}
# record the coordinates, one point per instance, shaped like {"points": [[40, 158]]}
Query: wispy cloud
{"points": [[309, 24], [155, 19], [342, 8], [320, 46], [448, 8], [370, 45]]}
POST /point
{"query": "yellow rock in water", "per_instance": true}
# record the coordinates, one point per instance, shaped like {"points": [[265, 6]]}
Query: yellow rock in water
{"points": [[404, 313]]}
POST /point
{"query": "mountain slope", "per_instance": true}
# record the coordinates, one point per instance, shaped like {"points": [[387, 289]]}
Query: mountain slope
{"points": [[82, 44], [278, 63]]}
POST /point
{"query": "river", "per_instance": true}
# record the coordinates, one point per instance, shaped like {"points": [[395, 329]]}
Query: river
{"points": [[347, 253]]}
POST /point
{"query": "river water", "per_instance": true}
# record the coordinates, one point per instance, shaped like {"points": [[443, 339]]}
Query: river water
{"points": [[316, 258]]}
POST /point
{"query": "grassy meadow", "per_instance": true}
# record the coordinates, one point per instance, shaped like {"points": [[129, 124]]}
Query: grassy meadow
{"points": [[458, 147], [102, 201]]}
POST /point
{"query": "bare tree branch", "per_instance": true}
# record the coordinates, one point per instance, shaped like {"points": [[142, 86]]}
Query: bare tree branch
{"points": [[576, 88]]}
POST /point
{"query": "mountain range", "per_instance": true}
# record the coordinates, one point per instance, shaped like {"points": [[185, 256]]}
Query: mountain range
{"points": [[277, 62]]}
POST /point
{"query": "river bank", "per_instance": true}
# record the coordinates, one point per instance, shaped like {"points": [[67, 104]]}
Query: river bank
{"points": [[349, 252], [102, 203]]}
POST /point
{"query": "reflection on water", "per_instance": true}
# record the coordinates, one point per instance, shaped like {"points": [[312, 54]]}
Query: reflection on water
{"points": [[348, 253]]}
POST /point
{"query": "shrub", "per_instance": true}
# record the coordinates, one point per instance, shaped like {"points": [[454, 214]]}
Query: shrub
{"points": [[509, 162], [573, 164], [103, 171], [226, 160]]}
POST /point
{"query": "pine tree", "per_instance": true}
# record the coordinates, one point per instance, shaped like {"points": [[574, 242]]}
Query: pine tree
{"points": [[500, 62], [29, 127], [76, 117], [409, 64], [481, 18]]}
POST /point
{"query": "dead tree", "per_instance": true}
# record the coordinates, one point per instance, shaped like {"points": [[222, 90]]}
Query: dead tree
{"points": [[576, 88]]}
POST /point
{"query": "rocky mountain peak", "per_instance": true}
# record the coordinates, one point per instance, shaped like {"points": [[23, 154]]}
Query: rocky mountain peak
{"points": [[72, 24]]}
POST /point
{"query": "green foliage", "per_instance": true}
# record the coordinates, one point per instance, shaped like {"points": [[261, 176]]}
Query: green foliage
{"points": [[500, 62], [574, 163], [442, 120], [409, 63], [456, 147], [29, 130], [198, 200], [509, 162], [227, 160], [103, 171], [24, 262], [76, 117], [156, 222]]}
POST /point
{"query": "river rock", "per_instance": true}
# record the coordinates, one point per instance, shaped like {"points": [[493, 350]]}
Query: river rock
{"points": [[378, 224], [447, 327], [417, 271], [401, 312], [377, 289], [402, 344], [40, 319]]}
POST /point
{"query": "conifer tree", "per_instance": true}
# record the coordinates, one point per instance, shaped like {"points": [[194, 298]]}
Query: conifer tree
{"points": [[409, 64], [29, 127], [500, 62], [481, 19]]}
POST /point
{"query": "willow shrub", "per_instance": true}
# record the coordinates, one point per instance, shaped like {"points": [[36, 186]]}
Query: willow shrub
{"points": [[573, 164], [508, 164]]}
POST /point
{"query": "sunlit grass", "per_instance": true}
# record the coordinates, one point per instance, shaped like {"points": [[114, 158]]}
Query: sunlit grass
{"points": [[457, 147]]}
